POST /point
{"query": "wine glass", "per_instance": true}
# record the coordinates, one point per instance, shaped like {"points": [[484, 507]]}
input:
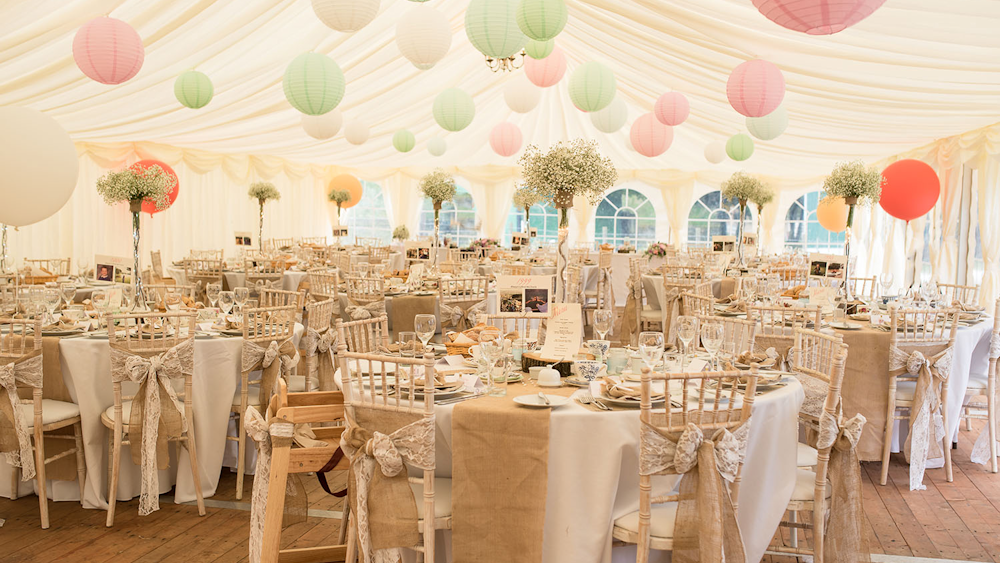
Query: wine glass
{"points": [[128, 296], [712, 334], [172, 300], [886, 279], [749, 290], [212, 291], [651, 347], [491, 349], [81, 267], [602, 322], [226, 301], [52, 297], [68, 293], [100, 301], [425, 326], [378, 270], [687, 330], [240, 295]]}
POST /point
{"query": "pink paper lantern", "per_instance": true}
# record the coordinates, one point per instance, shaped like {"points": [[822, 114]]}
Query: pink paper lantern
{"points": [[108, 50], [672, 108], [548, 71], [817, 17], [756, 88], [650, 137], [506, 139]]}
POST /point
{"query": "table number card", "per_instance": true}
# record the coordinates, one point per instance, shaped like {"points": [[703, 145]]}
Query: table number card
{"points": [[564, 332]]}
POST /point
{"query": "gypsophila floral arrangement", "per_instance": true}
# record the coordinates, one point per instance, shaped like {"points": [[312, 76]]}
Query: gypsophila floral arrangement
{"points": [[525, 197], [855, 181], [148, 184], [656, 249], [438, 186], [626, 248], [339, 197], [763, 196], [263, 191], [484, 243], [401, 233], [568, 169], [741, 186]]}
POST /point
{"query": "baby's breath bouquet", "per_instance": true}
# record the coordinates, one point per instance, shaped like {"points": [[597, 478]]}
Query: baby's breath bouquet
{"points": [[401, 233], [742, 187], [340, 197], [857, 184], [439, 187], [262, 192], [524, 198], [568, 169], [135, 186]]}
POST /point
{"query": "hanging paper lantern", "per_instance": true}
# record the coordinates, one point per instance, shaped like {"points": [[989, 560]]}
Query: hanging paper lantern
{"points": [[650, 137], [831, 212], [539, 49], [541, 20], [454, 109], [771, 126], [108, 50], [423, 36], [910, 189], [672, 108], [437, 146], [506, 139], [349, 184], [492, 28], [715, 152], [314, 83], [324, 126], [404, 141], [611, 118], [521, 95], [817, 17], [755, 88], [548, 71], [739, 147], [346, 15], [592, 86], [193, 89], [149, 206], [356, 132]]}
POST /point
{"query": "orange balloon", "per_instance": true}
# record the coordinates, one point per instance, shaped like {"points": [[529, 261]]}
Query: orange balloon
{"points": [[831, 212], [349, 183]]}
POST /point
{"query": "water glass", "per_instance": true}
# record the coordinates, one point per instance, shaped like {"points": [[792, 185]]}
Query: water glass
{"points": [[408, 344], [651, 347], [712, 334], [52, 298], [617, 360], [68, 293], [227, 299], [425, 326], [491, 349], [687, 331], [240, 296], [602, 322], [212, 291], [886, 279]]}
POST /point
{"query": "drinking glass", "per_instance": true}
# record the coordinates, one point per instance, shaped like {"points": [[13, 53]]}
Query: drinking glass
{"points": [[712, 334], [886, 280], [491, 349], [425, 326], [68, 292], [212, 291], [378, 270], [226, 301], [728, 352], [172, 300], [100, 301], [407, 344], [651, 347], [128, 296], [749, 290], [687, 330], [602, 322], [240, 296], [52, 298], [81, 267]]}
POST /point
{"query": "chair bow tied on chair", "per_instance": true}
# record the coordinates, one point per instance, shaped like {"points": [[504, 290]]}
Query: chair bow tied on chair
{"points": [[706, 529], [15, 440], [152, 420], [365, 312], [926, 423], [262, 432], [845, 537], [412, 444], [319, 345], [273, 361], [671, 310], [463, 319]]}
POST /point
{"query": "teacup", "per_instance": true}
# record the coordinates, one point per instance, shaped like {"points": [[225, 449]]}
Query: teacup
{"points": [[599, 348], [591, 369]]}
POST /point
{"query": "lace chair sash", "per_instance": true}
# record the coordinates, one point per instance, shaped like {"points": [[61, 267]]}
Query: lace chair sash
{"points": [[846, 539], [15, 440], [320, 345], [412, 444], [153, 421], [261, 432], [926, 424], [463, 319], [365, 312], [706, 529], [256, 357]]}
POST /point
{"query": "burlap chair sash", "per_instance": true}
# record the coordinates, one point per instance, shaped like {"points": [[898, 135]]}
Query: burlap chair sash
{"points": [[15, 440], [926, 424], [671, 310], [384, 505], [846, 540], [706, 529], [153, 421], [320, 345], [630, 321], [365, 312], [256, 358], [261, 432], [463, 315]]}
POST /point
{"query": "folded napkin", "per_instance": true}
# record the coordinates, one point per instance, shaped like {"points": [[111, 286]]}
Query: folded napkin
{"points": [[616, 389], [229, 322], [967, 307], [795, 291], [726, 300], [736, 307], [768, 358], [461, 338], [64, 325]]}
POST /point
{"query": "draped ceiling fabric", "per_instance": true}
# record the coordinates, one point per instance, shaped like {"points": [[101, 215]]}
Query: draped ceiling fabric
{"points": [[917, 73]]}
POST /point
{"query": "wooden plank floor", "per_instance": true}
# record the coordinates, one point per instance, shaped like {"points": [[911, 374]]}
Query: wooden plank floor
{"points": [[959, 520]]}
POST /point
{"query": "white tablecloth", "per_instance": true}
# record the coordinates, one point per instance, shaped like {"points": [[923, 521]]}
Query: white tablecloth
{"points": [[396, 262], [289, 281]]}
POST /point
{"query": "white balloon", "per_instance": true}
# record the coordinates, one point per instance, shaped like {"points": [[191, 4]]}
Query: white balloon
{"points": [[611, 118], [437, 146], [715, 152], [346, 15], [38, 166], [770, 126], [423, 36], [521, 95], [356, 132], [323, 126]]}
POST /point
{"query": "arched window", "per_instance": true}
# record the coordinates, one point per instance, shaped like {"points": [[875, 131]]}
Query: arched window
{"points": [[369, 217], [544, 217], [458, 219], [803, 231], [713, 215], [625, 215]]}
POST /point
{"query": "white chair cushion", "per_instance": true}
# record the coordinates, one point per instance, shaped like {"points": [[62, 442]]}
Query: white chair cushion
{"points": [[126, 412], [905, 390], [52, 412], [661, 522], [805, 486], [806, 456], [442, 497]]}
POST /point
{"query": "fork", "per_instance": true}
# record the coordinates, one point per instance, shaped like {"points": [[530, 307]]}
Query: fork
{"points": [[587, 398]]}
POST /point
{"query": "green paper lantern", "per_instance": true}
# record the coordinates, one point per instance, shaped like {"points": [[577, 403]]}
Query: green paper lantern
{"points": [[541, 20], [539, 49], [314, 83], [739, 147], [404, 141], [454, 109], [193, 89], [770, 126], [492, 28], [592, 86]]}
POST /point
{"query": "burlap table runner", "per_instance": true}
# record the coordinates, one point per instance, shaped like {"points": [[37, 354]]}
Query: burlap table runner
{"points": [[500, 456]]}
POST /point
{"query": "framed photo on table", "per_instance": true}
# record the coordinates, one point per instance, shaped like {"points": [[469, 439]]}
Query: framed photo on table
{"points": [[418, 250], [721, 243], [830, 266], [115, 269], [243, 239], [530, 294], [340, 231]]}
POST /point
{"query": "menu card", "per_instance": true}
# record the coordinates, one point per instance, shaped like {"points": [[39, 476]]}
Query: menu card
{"points": [[564, 332]]}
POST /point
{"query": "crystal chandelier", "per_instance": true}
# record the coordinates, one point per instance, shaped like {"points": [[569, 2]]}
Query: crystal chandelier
{"points": [[507, 64]]}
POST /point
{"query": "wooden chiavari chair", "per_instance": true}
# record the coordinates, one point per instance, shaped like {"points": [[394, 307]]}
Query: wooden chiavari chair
{"points": [[463, 293], [574, 283], [201, 272], [281, 298], [376, 254], [515, 269], [682, 275], [863, 288], [985, 385], [578, 255], [647, 314], [316, 241], [740, 332], [266, 270], [40, 415], [324, 283], [54, 266], [318, 321], [366, 335], [363, 290], [791, 276], [776, 324], [523, 323], [156, 265], [189, 290], [367, 242], [693, 304], [279, 243], [964, 294]]}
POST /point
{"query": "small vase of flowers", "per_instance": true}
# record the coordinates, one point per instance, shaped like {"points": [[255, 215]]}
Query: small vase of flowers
{"points": [[401, 233], [263, 192], [656, 250]]}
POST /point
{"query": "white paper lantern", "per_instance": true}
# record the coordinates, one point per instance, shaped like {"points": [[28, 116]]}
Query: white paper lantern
{"points": [[437, 146], [356, 132], [769, 127], [521, 95], [346, 15], [715, 152], [324, 126], [611, 118], [423, 36]]}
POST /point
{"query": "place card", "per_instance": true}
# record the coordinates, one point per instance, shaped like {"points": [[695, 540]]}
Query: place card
{"points": [[472, 383], [564, 332]]}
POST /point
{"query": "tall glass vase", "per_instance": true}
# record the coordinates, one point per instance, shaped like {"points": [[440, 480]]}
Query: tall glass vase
{"points": [[848, 293], [527, 226], [260, 226], [562, 255], [437, 230], [3, 248], [741, 259], [139, 302], [760, 219]]}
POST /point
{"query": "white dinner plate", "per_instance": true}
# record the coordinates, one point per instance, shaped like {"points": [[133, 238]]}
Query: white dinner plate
{"points": [[845, 325], [534, 401], [630, 403]]}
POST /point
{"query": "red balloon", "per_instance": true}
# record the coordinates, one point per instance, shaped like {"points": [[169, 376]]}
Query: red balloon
{"points": [[148, 206], [910, 189]]}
